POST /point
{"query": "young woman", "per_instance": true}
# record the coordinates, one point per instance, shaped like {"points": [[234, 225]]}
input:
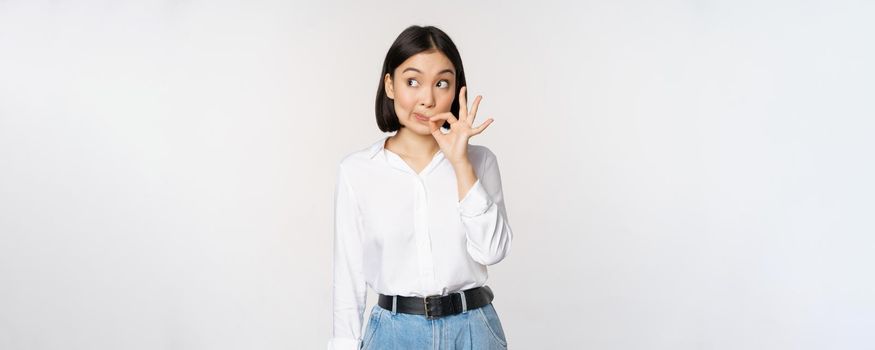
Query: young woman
{"points": [[419, 214]]}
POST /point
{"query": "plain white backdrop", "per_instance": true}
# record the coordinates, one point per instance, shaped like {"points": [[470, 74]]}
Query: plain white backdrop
{"points": [[678, 174]]}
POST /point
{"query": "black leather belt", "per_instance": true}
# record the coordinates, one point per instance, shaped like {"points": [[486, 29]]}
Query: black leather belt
{"points": [[435, 306]]}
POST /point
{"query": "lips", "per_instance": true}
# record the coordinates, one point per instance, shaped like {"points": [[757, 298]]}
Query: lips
{"points": [[420, 117]]}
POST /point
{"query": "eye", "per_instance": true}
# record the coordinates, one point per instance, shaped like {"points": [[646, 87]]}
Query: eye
{"points": [[412, 82], [445, 82]]}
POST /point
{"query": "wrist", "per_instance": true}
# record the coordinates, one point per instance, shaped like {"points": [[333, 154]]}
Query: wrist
{"points": [[461, 163]]}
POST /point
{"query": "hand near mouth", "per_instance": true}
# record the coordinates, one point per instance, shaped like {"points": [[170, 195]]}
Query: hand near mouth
{"points": [[454, 144]]}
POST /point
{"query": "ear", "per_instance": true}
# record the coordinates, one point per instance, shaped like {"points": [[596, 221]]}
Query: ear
{"points": [[390, 89]]}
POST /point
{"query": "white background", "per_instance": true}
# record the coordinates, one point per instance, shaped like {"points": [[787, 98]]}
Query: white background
{"points": [[678, 174]]}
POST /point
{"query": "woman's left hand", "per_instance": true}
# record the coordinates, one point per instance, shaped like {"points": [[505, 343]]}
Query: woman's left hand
{"points": [[454, 144]]}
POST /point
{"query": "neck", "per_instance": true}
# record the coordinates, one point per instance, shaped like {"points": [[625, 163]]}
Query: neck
{"points": [[412, 144]]}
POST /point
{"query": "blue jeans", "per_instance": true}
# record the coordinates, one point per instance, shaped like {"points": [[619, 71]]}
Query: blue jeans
{"points": [[477, 329]]}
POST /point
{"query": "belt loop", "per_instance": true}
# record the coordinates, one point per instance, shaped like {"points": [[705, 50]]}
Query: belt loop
{"points": [[464, 302], [394, 305]]}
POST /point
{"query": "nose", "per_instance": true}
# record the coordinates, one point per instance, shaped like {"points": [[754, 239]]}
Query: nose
{"points": [[427, 98]]}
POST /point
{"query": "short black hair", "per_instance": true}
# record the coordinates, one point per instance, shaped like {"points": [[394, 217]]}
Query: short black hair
{"points": [[411, 41]]}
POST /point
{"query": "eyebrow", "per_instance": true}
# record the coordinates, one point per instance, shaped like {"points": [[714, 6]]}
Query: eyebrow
{"points": [[420, 72]]}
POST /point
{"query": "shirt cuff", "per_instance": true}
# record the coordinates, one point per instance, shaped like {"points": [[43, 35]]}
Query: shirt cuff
{"points": [[476, 201], [343, 344]]}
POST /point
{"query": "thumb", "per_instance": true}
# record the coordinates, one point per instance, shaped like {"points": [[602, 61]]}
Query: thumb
{"points": [[432, 126]]}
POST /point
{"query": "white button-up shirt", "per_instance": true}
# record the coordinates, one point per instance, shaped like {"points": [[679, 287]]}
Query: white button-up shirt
{"points": [[403, 233]]}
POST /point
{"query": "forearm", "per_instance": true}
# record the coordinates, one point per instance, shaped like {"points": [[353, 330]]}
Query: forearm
{"points": [[482, 212], [465, 177]]}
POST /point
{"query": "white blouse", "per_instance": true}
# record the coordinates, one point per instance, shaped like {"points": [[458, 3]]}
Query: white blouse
{"points": [[403, 233]]}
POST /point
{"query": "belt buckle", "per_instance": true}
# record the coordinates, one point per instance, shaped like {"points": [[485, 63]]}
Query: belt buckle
{"points": [[426, 305]]}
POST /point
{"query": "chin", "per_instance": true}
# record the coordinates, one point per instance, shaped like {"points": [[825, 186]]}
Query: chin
{"points": [[418, 128], [422, 130]]}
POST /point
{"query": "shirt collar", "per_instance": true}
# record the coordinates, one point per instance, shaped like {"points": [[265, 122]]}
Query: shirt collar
{"points": [[377, 147], [396, 162]]}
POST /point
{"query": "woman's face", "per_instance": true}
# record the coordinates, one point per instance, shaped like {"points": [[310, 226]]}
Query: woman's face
{"points": [[424, 85]]}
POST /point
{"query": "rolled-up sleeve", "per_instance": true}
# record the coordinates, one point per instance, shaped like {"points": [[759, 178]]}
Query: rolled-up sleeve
{"points": [[349, 289], [484, 215]]}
